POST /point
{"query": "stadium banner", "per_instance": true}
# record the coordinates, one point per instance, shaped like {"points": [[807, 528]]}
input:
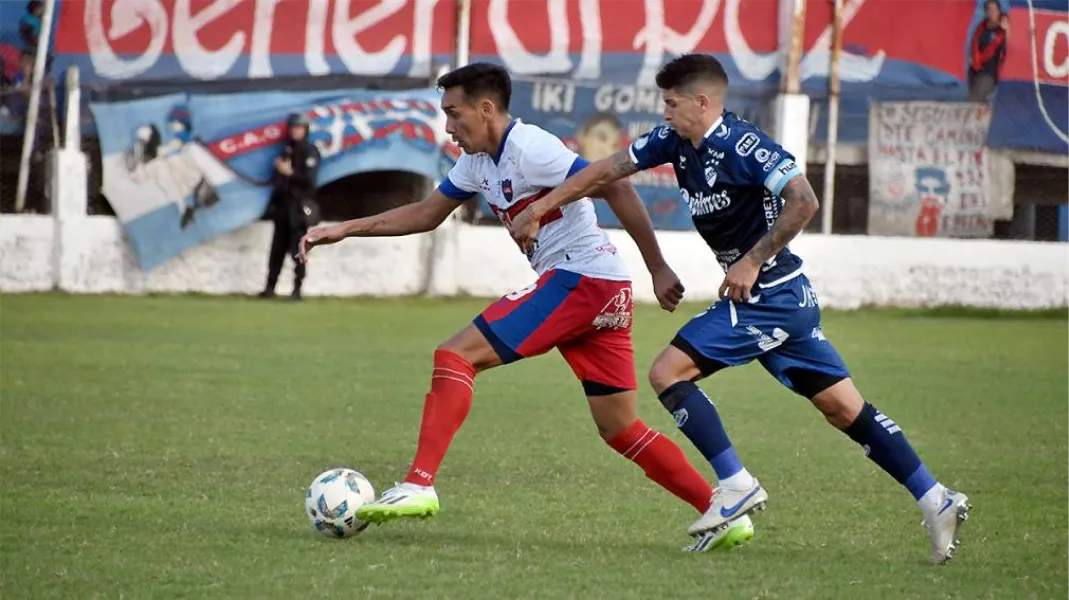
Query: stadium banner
{"points": [[181, 169], [927, 171], [604, 41], [1031, 104]]}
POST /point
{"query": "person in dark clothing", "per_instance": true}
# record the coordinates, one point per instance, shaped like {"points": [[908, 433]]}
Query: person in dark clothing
{"points": [[294, 183], [987, 52]]}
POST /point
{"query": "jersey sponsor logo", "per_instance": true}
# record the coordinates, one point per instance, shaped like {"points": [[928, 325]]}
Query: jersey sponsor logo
{"points": [[771, 162], [818, 334], [506, 189], [701, 203], [761, 155], [809, 298], [616, 314], [786, 167], [747, 143]]}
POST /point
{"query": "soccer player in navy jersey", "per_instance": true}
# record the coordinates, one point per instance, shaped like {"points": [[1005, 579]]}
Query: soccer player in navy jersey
{"points": [[748, 200]]}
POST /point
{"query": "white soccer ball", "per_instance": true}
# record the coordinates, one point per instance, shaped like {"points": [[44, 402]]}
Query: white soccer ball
{"points": [[333, 499]]}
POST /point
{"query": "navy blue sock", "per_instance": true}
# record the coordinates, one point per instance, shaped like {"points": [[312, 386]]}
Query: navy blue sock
{"points": [[887, 446], [698, 420]]}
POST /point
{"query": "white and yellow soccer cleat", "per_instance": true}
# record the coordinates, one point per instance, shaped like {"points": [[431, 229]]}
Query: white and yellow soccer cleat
{"points": [[729, 505], [402, 500], [737, 533]]}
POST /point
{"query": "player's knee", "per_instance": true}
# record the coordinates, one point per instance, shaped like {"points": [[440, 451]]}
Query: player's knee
{"points": [[840, 403], [662, 375]]}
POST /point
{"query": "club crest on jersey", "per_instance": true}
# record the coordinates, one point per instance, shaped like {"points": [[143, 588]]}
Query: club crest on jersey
{"points": [[710, 176], [506, 189]]}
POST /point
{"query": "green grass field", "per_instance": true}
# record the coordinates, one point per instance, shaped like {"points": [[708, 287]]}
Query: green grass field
{"points": [[161, 447]]}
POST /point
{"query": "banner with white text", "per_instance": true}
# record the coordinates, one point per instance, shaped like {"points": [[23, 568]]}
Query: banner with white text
{"points": [[927, 170], [180, 170]]}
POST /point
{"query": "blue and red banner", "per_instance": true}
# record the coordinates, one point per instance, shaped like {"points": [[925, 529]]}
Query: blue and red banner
{"points": [[1031, 106], [182, 169], [893, 49]]}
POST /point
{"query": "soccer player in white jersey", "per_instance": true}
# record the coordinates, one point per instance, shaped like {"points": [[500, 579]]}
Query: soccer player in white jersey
{"points": [[581, 303], [748, 199]]}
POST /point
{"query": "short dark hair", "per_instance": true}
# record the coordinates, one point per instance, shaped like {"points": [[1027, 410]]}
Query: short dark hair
{"points": [[480, 80], [688, 69], [602, 117]]}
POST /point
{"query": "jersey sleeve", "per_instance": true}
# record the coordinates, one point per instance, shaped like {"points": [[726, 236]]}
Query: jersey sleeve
{"points": [[653, 148], [764, 162], [547, 162], [460, 183]]}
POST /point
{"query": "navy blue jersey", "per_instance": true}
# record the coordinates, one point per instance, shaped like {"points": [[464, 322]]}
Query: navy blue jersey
{"points": [[732, 184]]}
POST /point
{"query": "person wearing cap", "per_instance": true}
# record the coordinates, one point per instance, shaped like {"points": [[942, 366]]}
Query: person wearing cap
{"points": [[294, 184]]}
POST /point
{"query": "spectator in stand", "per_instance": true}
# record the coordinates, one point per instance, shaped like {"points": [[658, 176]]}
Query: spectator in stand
{"points": [[29, 32], [987, 52]]}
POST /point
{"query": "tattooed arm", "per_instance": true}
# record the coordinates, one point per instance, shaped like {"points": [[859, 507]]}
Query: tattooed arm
{"points": [[800, 204], [799, 207], [585, 183]]}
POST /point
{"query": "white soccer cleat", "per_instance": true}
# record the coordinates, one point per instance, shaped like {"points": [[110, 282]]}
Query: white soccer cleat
{"points": [[402, 500], [737, 533], [728, 505], [944, 527]]}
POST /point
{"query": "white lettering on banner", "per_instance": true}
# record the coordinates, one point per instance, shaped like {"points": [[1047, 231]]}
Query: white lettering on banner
{"points": [[126, 17], [260, 54], [421, 38], [852, 67], [627, 98], [315, 38], [1050, 41], [516, 58], [195, 59], [553, 97], [655, 40], [356, 59]]}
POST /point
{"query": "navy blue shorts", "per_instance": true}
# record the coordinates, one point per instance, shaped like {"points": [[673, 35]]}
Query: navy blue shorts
{"points": [[780, 328]]}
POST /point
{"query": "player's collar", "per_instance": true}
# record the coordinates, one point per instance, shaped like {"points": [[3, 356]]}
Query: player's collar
{"points": [[504, 137], [715, 124]]}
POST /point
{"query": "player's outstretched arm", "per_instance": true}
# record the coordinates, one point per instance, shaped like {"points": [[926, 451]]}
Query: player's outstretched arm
{"points": [[585, 183], [800, 204], [624, 201], [417, 217]]}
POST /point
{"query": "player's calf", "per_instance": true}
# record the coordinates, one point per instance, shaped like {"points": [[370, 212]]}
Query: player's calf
{"points": [[886, 445], [661, 459]]}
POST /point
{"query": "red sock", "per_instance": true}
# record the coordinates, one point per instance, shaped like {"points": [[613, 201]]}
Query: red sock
{"points": [[444, 411], [664, 462]]}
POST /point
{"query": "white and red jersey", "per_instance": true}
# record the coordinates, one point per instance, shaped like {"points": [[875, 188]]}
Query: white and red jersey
{"points": [[528, 164]]}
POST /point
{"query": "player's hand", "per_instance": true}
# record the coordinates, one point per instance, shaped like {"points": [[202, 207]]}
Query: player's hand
{"points": [[284, 167], [739, 280], [667, 288], [524, 228], [322, 236]]}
